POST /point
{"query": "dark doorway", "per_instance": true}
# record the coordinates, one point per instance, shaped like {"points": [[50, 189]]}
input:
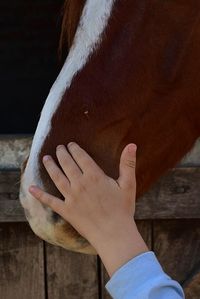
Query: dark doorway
{"points": [[29, 62]]}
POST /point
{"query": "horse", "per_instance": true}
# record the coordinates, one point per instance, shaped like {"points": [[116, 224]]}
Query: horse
{"points": [[131, 75]]}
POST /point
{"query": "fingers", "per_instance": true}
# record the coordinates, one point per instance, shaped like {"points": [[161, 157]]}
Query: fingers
{"points": [[69, 166], [127, 167], [56, 174], [85, 162], [51, 201]]}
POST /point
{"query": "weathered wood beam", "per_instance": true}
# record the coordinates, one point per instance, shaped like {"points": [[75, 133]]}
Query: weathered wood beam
{"points": [[22, 263], [14, 149], [176, 195], [192, 285]]}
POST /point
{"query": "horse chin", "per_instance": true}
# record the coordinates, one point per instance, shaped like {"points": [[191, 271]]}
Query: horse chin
{"points": [[49, 226], [61, 234]]}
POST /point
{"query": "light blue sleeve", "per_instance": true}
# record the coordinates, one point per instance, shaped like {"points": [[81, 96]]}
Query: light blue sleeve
{"points": [[143, 278]]}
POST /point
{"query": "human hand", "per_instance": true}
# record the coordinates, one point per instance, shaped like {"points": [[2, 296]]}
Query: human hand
{"points": [[100, 208]]}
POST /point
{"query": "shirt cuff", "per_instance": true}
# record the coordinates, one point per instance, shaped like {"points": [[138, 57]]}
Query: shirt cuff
{"points": [[136, 276]]}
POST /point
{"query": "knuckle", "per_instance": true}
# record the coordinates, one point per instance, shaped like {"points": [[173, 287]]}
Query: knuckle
{"points": [[80, 187], [131, 163], [93, 177], [64, 161], [49, 166], [71, 208], [56, 176], [86, 162], [61, 183], [49, 201], [74, 173], [40, 194], [44, 198]]}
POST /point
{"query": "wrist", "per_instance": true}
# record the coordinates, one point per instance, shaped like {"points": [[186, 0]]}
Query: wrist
{"points": [[120, 245]]}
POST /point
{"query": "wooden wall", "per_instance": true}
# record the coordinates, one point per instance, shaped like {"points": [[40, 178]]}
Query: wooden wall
{"points": [[168, 217]]}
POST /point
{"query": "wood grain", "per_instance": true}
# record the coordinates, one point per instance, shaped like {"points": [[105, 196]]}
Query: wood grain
{"points": [[70, 275], [175, 196], [177, 246], [11, 211], [192, 286], [15, 148], [21, 263], [10, 207], [9, 185]]}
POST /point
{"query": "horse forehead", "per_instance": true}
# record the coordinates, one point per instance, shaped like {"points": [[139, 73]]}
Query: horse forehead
{"points": [[94, 77], [99, 74], [118, 68]]}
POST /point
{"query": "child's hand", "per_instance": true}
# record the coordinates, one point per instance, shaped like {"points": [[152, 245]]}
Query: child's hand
{"points": [[98, 207], [93, 202]]}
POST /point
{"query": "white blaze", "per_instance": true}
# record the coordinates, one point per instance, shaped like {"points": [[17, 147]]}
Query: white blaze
{"points": [[93, 21]]}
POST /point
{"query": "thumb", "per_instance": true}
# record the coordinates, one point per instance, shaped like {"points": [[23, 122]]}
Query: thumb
{"points": [[127, 167]]}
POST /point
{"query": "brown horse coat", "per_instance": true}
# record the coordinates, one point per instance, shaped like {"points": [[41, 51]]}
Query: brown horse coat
{"points": [[134, 68]]}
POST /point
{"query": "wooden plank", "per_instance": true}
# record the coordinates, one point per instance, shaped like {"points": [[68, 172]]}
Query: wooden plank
{"points": [[176, 195], [70, 275], [192, 286], [9, 185], [21, 263], [11, 211], [144, 228], [177, 246], [15, 148], [192, 158], [10, 207]]}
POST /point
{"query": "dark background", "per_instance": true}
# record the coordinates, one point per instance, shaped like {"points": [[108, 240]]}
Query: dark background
{"points": [[29, 64]]}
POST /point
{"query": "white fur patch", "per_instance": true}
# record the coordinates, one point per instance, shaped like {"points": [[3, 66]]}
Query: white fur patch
{"points": [[88, 36]]}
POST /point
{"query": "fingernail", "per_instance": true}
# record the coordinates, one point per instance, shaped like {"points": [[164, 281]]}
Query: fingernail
{"points": [[32, 188], [71, 143], [132, 148], [46, 158], [60, 146]]}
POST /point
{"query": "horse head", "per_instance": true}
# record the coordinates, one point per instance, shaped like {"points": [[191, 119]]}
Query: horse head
{"points": [[131, 75]]}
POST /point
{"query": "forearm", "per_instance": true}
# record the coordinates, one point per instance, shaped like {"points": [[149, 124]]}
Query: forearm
{"points": [[119, 245]]}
